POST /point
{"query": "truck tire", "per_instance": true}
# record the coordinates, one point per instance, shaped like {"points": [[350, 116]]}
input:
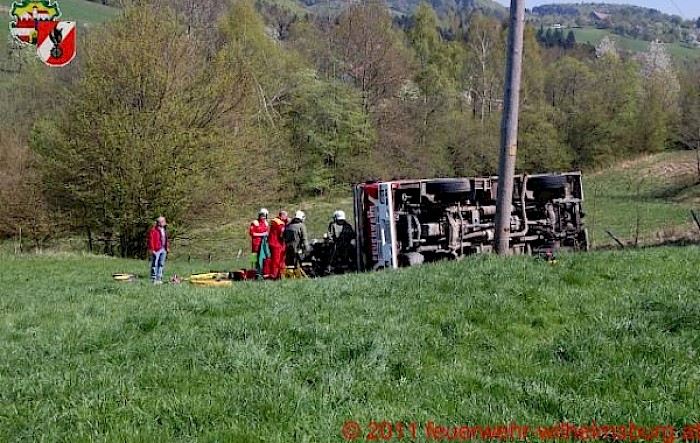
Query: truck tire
{"points": [[412, 259], [448, 186], [547, 182]]}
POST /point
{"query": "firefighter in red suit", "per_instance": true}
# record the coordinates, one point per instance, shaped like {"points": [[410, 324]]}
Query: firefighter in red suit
{"points": [[258, 230], [277, 245]]}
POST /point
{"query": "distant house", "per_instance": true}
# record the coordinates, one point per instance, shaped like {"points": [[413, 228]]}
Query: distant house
{"points": [[600, 18]]}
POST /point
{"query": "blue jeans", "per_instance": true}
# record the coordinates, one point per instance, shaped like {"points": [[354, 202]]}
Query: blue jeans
{"points": [[157, 264]]}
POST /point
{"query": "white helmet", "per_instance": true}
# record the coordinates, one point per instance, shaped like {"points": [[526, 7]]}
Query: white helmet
{"points": [[263, 211], [300, 215], [339, 215]]}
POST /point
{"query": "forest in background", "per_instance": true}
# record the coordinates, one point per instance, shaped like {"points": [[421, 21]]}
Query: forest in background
{"points": [[230, 104]]}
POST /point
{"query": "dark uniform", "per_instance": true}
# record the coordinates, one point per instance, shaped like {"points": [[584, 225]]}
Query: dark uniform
{"points": [[342, 236], [297, 241]]}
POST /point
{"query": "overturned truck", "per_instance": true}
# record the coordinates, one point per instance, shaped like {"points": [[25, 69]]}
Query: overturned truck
{"points": [[408, 222]]}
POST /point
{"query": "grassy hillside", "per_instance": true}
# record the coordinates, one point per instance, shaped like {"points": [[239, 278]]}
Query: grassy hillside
{"points": [[609, 337], [79, 10], [593, 36], [655, 193]]}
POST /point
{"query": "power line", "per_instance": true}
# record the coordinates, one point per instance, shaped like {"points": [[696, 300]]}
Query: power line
{"points": [[678, 8]]}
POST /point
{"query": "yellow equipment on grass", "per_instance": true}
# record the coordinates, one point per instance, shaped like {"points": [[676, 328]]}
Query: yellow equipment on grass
{"points": [[210, 279], [211, 282], [295, 272], [124, 277], [208, 276]]}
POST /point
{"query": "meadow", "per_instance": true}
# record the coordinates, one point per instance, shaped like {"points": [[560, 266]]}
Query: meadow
{"points": [[594, 35], [644, 201], [78, 10], [606, 336]]}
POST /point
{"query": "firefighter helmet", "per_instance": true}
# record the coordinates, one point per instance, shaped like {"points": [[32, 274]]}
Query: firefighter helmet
{"points": [[339, 215]]}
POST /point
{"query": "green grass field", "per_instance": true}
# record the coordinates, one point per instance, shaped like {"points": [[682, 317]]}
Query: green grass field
{"points": [[594, 35], [82, 11], [604, 336], [655, 193]]}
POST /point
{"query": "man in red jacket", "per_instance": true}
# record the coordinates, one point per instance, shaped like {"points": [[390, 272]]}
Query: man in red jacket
{"points": [[158, 246], [277, 244]]}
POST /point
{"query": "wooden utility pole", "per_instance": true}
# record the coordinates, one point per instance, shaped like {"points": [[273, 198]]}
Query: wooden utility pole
{"points": [[509, 125]]}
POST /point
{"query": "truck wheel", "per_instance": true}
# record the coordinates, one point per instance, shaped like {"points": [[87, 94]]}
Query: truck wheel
{"points": [[412, 259], [547, 182], [448, 186]]}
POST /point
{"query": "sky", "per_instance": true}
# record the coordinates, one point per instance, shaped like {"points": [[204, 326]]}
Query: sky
{"points": [[685, 8]]}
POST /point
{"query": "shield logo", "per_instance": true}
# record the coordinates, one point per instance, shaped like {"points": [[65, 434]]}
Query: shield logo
{"points": [[56, 43], [26, 16]]}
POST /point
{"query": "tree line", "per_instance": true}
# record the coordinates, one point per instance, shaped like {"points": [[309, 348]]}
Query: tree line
{"points": [[190, 113]]}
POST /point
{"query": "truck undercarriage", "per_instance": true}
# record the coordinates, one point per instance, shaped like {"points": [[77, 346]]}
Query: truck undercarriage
{"points": [[408, 222]]}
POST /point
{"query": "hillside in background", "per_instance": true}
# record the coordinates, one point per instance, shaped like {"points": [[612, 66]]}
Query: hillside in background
{"points": [[82, 11], [624, 20], [488, 7], [594, 35]]}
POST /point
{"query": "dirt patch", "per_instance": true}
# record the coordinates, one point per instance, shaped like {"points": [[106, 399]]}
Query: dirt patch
{"points": [[680, 166], [635, 163], [677, 165]]}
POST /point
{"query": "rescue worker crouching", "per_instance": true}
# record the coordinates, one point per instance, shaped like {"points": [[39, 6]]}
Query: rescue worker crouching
{"points": [[342, 236], [297, 240], [277, 244], [260, 256]]}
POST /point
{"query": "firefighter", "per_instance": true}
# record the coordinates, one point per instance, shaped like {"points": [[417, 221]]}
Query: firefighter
{"points": [[342, 236], [259, 230], [297, 239], [277, 244]]}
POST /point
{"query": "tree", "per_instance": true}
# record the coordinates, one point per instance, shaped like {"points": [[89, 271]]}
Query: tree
{"points": [[262, 75], [485, 63], [372, 52], [439, 68], [541, 147], [439, 61], [659, 98], [570, 40], [540, 35], [687, 132], [330, 132], [567, 82], [139, 133], [549, 38], [606, 47]]}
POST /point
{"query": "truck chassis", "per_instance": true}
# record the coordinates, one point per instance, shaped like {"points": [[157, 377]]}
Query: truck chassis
{"points": [[408, 222]]}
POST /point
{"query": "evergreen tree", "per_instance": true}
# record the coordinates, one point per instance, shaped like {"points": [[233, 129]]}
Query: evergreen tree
{"points": [[549, 38], [570, 40], [540, 35]]}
